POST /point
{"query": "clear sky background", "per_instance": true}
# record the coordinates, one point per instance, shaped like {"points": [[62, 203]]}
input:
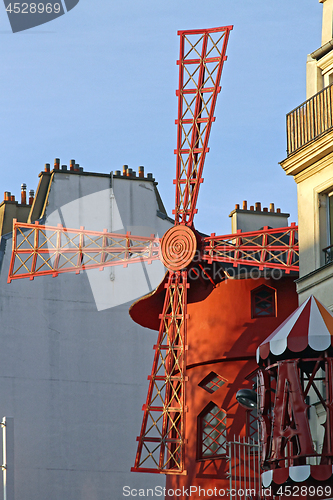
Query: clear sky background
{"points": [[98, 85]]}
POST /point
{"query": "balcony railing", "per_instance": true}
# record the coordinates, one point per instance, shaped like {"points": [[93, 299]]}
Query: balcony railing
{"points": [[310, 120], [328, 251]]}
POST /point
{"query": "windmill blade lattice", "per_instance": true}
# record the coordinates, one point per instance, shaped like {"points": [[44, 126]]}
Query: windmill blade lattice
{"points": [[269, 248], [40, 250], [162, 437], [161, 442], [202, 54]]}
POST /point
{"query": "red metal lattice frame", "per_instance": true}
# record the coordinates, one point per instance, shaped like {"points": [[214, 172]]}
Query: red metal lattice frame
{"points": [[163, 427], [202, 54], [40, 250], [270, 248]]}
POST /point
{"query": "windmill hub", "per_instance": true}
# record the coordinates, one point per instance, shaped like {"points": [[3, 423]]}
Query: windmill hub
{"points": [[178, 247]]}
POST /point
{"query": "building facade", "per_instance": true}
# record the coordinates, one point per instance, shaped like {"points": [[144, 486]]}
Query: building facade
{"points": [[295, 390], [73, 364], [310, 162]]}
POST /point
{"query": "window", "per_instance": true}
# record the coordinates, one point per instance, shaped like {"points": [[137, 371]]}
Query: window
{"points": [[329, 218], [252, 414], [212, 432], [252, 424], [212, 382], [263, 301]]}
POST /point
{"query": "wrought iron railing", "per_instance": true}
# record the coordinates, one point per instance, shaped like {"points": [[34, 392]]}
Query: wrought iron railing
{"points": [[328, 251], [310, 120], [244, 469]]}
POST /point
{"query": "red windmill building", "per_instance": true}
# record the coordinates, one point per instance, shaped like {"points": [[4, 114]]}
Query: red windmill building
{"points": [[209, 326]]}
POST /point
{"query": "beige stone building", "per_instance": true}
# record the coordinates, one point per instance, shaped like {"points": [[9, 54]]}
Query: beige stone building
{"points": [[310, 162]]}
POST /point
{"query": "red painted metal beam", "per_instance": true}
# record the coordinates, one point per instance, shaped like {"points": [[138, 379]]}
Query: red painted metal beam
{"points": [[202, 55], [162, 436], [269, 248], [40, 250]]}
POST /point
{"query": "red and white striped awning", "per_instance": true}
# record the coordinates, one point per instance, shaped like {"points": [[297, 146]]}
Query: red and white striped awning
{"points": [[297, 474], [310, 325]]}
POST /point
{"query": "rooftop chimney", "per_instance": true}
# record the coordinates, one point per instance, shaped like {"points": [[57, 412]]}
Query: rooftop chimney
{"points": [[31, 196], [256, 218], [23, 194]]}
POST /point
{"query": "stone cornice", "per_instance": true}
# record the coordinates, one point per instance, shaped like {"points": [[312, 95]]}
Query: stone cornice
{"points": [[309, 154]]}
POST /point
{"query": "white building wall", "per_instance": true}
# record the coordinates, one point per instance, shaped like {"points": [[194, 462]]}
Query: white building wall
{"points": [[73, 365]]}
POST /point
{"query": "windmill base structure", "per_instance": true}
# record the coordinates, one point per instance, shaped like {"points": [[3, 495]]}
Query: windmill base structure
{"points": [[222, 337]]}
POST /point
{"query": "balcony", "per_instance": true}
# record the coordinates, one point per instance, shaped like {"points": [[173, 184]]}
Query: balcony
{"points": [[310, 120], [328, 251]]}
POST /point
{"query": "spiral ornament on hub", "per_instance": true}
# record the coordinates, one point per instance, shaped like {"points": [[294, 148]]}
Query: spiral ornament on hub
{"points": [[178, 247]]}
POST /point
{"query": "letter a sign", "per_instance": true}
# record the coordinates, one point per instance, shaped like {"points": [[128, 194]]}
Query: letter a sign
{"points": [[291, 435]]}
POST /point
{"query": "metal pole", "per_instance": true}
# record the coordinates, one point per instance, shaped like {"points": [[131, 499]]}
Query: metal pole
{"points": [[7, 425]]}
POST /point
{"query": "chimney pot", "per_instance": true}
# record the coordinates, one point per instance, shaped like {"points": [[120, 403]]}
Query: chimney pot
{"points": [[71, 165], [117, 173], [129, 172], [149, 176], [244, 205], [23, 194], [271, 207], [47, 167], [237, 206], [125, 168], [56, 163], [7, 195], [64, 167], [76, 167], [258, 206], [278, 210], [12, 198], [265, 209], [31, 196], [252, 208], [141, 171]]}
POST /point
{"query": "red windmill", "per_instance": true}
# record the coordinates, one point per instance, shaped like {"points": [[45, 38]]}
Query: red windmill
{"points": [[44, 250]]}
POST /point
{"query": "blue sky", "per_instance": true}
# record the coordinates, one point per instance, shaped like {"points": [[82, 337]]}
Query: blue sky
{"points": [[98, 85]]}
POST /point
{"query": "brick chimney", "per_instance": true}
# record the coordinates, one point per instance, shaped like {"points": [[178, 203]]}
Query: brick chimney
{"points": [[256, 218]]}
